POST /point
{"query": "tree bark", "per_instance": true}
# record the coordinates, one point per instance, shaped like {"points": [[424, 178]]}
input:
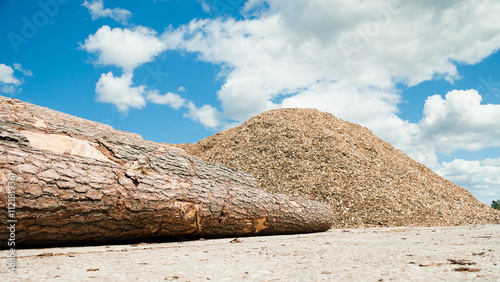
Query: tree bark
{"points": [[78, 182]]}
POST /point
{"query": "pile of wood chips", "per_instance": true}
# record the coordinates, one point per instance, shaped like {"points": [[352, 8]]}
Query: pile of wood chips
{"points": [[311, 154]]}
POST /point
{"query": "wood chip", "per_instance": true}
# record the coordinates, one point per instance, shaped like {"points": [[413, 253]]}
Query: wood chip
{"points": [[461, 262], [427, 264], [467, 269]]}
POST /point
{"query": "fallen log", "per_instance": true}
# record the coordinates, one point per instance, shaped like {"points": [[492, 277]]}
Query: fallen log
{"points": [[67, 180]]}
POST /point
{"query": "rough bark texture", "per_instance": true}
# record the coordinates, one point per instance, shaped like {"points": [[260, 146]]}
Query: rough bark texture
{"points": [[82, 182]]}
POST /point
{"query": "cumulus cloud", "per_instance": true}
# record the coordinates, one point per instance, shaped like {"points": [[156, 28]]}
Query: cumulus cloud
{"points": [[347, 58], [171, 99], [296, 48], [125, 48], [97, 11], [460, 122], [206, 115], [120, 92], [482, 178], [8, 82], [7, 75], [345, 61]]}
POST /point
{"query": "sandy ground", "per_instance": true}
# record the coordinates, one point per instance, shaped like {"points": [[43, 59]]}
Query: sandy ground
{"points": [[378, 254]]}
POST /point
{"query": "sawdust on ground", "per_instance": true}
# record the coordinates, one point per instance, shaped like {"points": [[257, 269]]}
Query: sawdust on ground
{"points": [[367, 182], [468, 253]]}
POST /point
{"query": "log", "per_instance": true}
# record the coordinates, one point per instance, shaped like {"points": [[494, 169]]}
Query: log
{"points": [[74, 181]]}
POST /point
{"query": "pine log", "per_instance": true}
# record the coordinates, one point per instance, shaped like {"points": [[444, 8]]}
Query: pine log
{"points": [[81, 182]]}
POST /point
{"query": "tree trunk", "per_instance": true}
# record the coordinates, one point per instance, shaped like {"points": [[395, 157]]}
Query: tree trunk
{"points": [[79, 182]]}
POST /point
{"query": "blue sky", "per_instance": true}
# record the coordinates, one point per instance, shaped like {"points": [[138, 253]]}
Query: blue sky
{"points": [[424, 76]]}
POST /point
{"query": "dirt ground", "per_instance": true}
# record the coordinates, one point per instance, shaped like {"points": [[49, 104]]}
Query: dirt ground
{"points": [[376, 254]]}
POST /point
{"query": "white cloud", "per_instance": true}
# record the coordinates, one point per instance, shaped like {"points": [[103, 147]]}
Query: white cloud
{"points": [[171, 99], [221, 6], [19, 67], [294, 55], [297, 45], [205, 7], [8, 82], [125, 48], [96, 9], [491, 162], [346, 57], [206, 115], [482, 178], [460, 122], [181, 89], [118, 91], [7, 75]]}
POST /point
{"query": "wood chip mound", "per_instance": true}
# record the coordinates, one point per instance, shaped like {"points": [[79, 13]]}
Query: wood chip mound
{"points": [[310, 154]]}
